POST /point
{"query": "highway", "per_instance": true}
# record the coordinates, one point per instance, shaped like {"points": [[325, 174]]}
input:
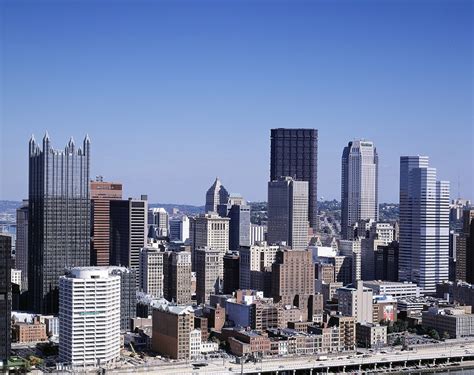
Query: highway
{"points": [[288, 364]]}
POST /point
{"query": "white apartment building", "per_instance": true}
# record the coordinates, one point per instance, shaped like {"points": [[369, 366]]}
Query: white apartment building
{"points": [[89, 317]]}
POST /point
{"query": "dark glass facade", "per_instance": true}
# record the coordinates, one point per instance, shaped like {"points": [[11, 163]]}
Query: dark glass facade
{"points": [[294, 153], [5, 296], [59, 218], [128, 298]]}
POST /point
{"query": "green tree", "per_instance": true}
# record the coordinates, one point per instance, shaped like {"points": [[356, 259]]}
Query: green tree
{"points": [[445, 335], [434, 334]]}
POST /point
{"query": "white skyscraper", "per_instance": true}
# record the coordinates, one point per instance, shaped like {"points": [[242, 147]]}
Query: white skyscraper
{"points": [[288, 212], [359, 184], [89, 317], [424, 224]]}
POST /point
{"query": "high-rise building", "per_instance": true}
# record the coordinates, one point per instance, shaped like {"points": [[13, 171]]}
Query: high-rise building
{"points": [[254, 261], [424, 224], [89, 317], [101, 194], [5, 297], [386, 262], [209, 273], [151, 271], [356, 302], [288, 212], [359, 185], [294, 152], [231, 272], [293, 280], [21, 252], [237, 210], [464, 251], [172, 328], [177, 277], [128, 232], [353, 250], [179, 228], [128, 295], [158, 222], [217, 194], [59, 218], [212, 231], [258, 233]]}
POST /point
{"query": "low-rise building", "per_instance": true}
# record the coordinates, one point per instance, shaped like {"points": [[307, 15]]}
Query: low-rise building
{"points": [[371, 335], [248, 342], [393, 288], [23, 332], [384, 309], [455, 321]]}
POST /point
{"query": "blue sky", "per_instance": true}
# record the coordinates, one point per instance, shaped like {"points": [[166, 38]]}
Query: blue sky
{"points": [[175, 93]]}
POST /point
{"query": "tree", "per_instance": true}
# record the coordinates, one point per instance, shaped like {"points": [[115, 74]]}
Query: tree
{"points": [[434, 334], [445, 335]]}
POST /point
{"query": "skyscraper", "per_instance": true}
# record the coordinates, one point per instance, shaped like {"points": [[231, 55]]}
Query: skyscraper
{"points": [[5, 297], [101, 194], [158, 222], [128, 232], [359, 185], [294, 152], [217, 194], [209, 273], [424, 224], [151, 271], [59, 218], [288, 212], [465, 248], [212, 231], [237, 210], [179, 228], [21, 253], [293, 280], [177, 277], [128, 295]]}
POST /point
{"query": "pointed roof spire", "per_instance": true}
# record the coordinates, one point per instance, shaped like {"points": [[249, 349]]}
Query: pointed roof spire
{"points": [[32, 139], [87, 139], [46, 136], [71, 142]]}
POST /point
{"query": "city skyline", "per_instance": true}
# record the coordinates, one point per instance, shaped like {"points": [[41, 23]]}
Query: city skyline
{"points": [[410, 89]]}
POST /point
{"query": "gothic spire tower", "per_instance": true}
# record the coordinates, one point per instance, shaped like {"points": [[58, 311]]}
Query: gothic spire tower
{"points": [[59, 217]]}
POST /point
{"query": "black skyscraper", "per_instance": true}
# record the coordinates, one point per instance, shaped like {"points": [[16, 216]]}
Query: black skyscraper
{"points": [[59, 218], [294, 153], [5, 296]]}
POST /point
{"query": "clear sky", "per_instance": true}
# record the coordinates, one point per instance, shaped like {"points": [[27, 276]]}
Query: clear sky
{"points": [[175, 93]]}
